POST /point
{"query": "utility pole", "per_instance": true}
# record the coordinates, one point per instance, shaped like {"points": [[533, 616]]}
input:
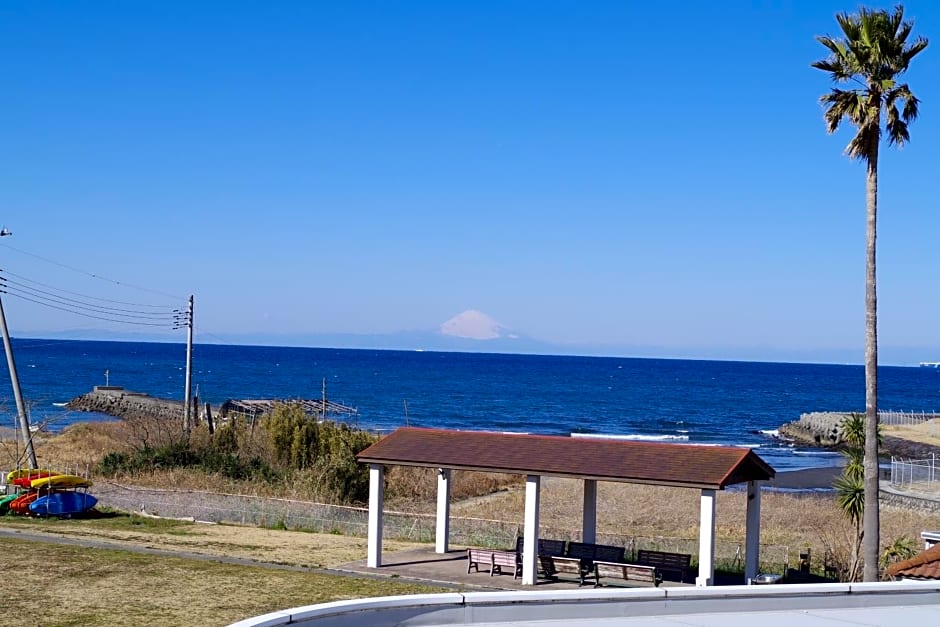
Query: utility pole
{"points": [[187, 412], [15, 381]]}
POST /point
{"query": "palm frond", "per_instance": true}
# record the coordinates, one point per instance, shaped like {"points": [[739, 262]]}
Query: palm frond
{"points": [[874, 50], [913, 50]]}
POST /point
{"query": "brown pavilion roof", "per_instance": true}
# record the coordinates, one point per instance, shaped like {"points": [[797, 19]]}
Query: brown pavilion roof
{"points": [[925, 565], [683, 465]]}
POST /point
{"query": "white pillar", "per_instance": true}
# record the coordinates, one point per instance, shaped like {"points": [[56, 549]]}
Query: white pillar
{"points": [[376, 504], [589, 512], [530, 530], [706, 540], [752, 533], [443, 510]]}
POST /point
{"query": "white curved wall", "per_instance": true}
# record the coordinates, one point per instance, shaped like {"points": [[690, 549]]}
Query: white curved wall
{"points": [[908, 603]]}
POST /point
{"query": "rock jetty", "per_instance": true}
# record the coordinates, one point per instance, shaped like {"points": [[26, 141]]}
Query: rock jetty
{"points": [[116, 401], [820, 428], [824, 429]]}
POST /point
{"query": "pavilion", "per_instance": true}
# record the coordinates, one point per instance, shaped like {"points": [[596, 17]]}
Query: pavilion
{"points": [[705, 468]]}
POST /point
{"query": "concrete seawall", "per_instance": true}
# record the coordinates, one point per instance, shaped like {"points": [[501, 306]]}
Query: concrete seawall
{"points": [[116, 401]]}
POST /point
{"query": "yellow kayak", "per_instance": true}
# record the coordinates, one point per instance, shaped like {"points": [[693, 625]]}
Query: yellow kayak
{"points": [[60, 481]]}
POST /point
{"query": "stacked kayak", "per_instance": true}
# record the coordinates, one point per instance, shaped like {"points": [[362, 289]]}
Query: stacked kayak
{"points": [[43, 492]]}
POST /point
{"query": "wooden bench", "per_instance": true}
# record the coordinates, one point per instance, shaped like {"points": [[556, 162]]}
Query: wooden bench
{"points": [[554, 565], [497, 560], [506, 559], [666, 562], [627, 572], [578, 560], [547, 549]]}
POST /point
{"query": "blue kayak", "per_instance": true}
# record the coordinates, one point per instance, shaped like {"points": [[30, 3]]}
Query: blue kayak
{"points": [[63, 504]]}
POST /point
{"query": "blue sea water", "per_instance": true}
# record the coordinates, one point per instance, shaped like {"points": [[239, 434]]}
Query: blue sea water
{"points": [[700, 402]]}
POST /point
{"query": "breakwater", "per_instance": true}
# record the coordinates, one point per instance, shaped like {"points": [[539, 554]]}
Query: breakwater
{"points": [[820, 428], [825, 429], [121, 403]]}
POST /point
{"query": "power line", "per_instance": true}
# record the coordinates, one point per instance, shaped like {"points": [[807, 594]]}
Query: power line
{"points": [[93, 275], [63, 300], [64, 291], [86, 315]]}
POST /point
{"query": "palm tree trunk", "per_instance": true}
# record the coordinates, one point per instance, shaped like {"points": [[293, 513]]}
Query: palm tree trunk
{"points": [[871, 514]]}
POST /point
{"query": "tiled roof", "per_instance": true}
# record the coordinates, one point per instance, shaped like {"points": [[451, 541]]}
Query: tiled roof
{"points": [[925, 565], [712, 467]]}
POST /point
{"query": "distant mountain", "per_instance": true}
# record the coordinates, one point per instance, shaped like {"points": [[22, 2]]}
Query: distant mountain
{"points": [[474, 325]]}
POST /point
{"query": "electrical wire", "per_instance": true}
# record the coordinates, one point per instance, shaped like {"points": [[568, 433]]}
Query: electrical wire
{"points": [[64, 291], [65, 301], [86, 315], [91, 274]]}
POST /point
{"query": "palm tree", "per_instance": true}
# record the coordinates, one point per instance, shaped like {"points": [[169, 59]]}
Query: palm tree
{"points": [[872, 53]]}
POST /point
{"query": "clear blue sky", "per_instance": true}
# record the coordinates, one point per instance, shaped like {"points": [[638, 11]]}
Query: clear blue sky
{"points": [[612, 174]]}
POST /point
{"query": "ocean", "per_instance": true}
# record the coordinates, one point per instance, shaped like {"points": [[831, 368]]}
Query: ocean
{"points": [[688, 401]]}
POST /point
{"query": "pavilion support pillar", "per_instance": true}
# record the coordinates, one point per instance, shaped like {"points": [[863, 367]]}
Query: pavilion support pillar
{"points": [[530, 529], [443, 510], [589, 512], [706, 540], [376, 505], [752, 533]]}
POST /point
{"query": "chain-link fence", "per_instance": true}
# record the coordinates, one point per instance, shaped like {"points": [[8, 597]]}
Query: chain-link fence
{"points": [[353, 521], [916, 475], [906, 418]]}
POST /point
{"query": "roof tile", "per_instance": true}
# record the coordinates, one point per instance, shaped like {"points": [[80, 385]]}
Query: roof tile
{"points": [[605, 459], [924, 565]]}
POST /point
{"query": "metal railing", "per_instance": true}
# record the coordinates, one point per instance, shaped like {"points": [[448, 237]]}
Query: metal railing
{"points": [[916, 475], [906, 418]]}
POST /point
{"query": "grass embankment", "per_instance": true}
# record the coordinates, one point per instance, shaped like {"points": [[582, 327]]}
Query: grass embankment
{"points": [[48, 583]]}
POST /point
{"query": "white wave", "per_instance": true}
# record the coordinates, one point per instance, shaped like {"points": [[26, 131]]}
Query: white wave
{"points": [[61, 404], [774, 433], [643, 438]]}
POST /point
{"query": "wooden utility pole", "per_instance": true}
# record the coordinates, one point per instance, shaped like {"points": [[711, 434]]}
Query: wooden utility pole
{"points": [[187, 401], [17, 394], [15, 381]]}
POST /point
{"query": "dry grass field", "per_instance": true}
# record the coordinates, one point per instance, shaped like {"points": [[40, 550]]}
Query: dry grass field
{"points": [[69, 585], [54, 584]]}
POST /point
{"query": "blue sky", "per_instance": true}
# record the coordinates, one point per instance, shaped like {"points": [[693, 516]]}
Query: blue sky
{"points": [[629, 177]]}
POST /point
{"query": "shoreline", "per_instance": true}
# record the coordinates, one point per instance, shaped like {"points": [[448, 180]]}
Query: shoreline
{"points": [[805, 479]]}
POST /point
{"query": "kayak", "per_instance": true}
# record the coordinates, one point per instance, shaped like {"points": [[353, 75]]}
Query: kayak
{"points": [[5, 502], [60, 481], [20, 504], [63, 504], [35, 473], [25, 481]]}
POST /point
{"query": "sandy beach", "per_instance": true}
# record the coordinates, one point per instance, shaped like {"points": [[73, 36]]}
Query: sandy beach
{"points": [[806, 479]]}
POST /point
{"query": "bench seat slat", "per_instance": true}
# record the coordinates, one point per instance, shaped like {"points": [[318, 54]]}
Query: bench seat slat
{"points": [[627, 572]]}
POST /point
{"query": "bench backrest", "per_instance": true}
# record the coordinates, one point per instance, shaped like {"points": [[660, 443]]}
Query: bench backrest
{"points": [[546, 547], [581, 550], [605, 553], [660, 558], [551, 547]]}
